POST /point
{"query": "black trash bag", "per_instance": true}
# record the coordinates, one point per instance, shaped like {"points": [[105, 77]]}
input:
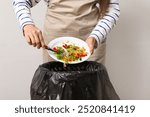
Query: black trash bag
{"points": [[84, 81]]}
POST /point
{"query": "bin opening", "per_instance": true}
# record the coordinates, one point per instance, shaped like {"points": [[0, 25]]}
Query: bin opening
{"points": [[84, 67]]}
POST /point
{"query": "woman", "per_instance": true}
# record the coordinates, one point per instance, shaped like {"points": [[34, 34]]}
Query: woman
{"points": [[90, 20]]}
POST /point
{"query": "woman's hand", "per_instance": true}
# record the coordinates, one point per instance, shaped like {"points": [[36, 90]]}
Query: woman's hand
{"points": [[91, 43], [33, 36]]}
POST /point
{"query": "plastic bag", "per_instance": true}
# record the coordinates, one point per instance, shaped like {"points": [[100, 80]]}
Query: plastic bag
{"points": [[85, 81]]}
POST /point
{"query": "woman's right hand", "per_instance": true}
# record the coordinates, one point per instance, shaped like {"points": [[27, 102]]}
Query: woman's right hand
{"points": [[33, 36]]}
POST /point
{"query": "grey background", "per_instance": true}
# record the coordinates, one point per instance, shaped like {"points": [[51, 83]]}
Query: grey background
{"points": [[127, 61]]}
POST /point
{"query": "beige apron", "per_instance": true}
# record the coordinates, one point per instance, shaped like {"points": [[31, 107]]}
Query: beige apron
{"points": [[74, 18]]}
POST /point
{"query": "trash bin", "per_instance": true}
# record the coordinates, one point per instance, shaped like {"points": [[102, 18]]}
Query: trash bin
{"points": [[84, 81]]}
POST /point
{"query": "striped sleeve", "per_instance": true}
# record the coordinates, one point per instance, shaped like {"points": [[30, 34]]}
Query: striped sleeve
{"points": [[22, 11], [108, 21]]}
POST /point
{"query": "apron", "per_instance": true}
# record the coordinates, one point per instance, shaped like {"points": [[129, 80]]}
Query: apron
{"points": [[75, 18]]}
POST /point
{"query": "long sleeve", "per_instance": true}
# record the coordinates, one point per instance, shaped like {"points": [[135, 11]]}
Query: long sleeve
{"points": [[22, 11], [108, 21]]}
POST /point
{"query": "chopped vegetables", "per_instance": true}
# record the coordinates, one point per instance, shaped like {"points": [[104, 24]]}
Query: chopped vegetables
{"points": [[74, 53]]}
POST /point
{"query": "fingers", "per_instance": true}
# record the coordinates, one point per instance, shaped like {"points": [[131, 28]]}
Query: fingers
{"points": [[43, 45], [37, 40], [91, 42], [91, 48], [33, 40], [34, 36], [28, 40]]}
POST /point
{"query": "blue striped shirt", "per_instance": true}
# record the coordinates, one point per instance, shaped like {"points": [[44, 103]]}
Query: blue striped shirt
{"points": [[101, 30]]}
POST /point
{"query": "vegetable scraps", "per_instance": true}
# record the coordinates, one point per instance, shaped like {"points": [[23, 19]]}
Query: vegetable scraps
{"points": [[74, 53]]}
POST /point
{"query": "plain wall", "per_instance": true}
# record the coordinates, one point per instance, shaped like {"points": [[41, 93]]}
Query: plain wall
{"points": [[127, 59]]}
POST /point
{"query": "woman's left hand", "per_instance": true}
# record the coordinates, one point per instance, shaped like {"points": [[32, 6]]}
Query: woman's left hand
{"points": [[91, 43]]}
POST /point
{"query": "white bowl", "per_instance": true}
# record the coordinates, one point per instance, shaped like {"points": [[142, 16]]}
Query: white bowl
{"points": [[70, 40]]}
